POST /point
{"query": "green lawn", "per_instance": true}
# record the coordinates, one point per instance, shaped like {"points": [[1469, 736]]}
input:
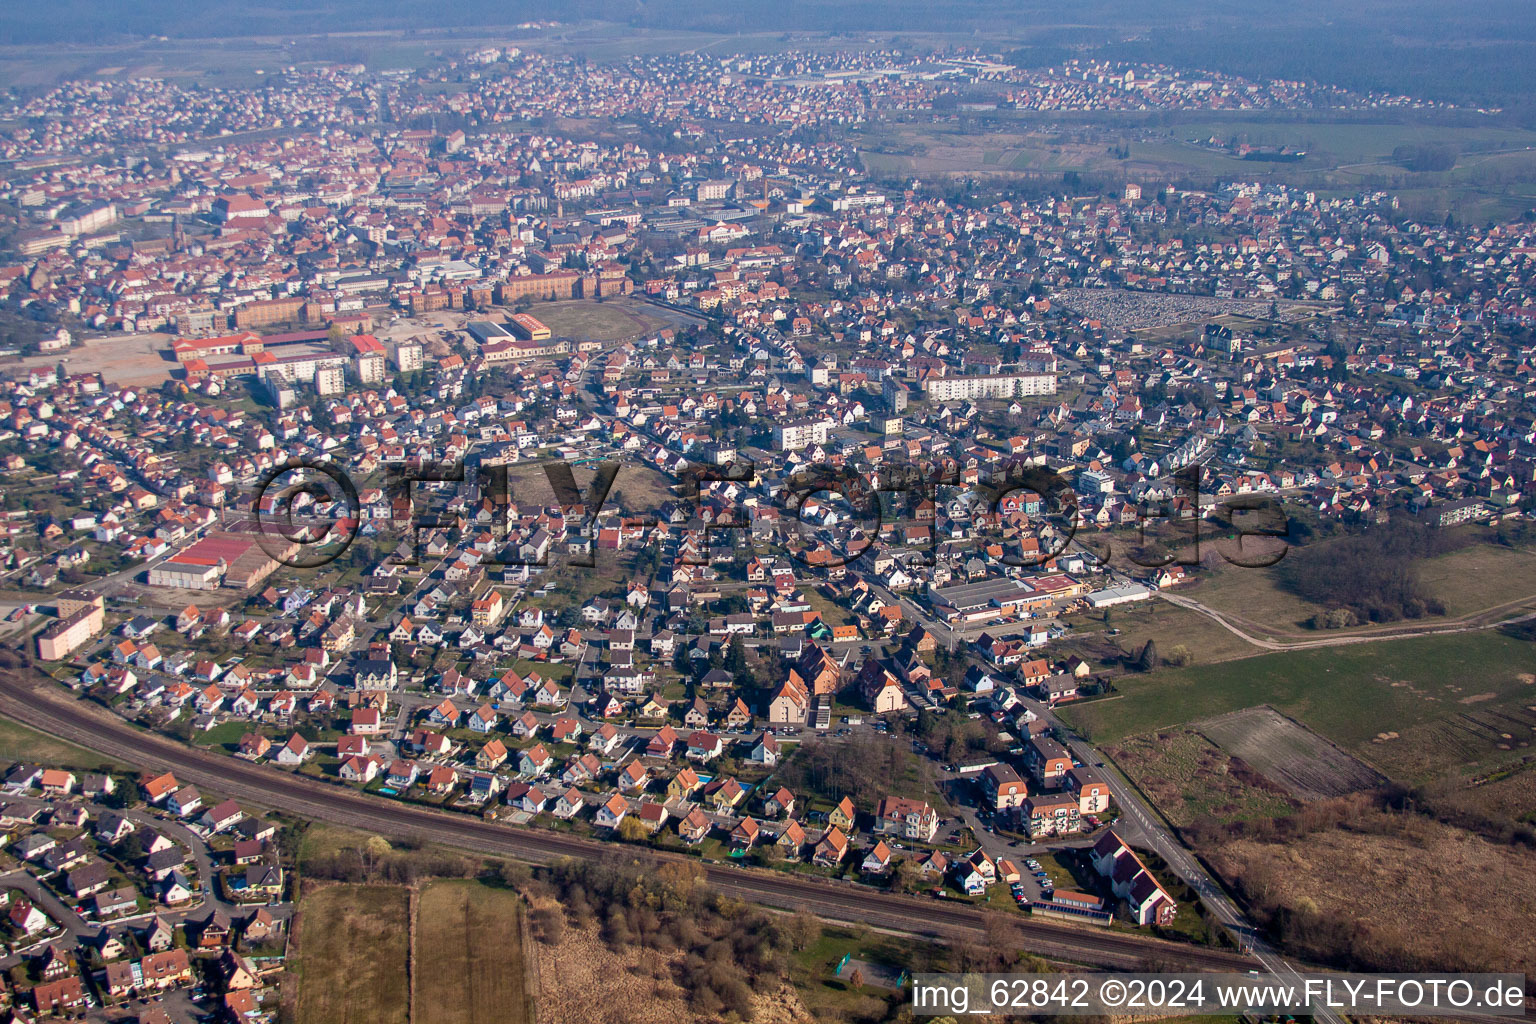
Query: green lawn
{"points": [[17, 743], [225, 734], [1416, 688]]}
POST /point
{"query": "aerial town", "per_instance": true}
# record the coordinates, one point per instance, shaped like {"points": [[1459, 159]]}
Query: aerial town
{"points": [[553, 456]]}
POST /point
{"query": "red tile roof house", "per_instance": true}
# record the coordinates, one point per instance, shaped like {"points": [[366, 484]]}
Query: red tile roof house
{"points": [[366, 722], [612, 812], [745, 833], [222, 816], [569, 804], [63, 994], [913, 819], [878, 860], [694, 827], [704, 746], [56, 782], [159, 787], [653, 815], [1130, 880], [832, 848]]}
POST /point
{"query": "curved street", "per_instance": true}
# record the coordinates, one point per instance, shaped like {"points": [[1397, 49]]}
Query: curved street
{"points": [[1335, 641], [39, 706]]}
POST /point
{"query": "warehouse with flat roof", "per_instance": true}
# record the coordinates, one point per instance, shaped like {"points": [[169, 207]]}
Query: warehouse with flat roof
{"points": [[986, 599]]}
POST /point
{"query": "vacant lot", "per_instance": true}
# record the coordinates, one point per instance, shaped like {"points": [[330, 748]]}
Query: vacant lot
{"points": [[18, 743], [1479, 577], [1255, 600], [469, 956], [1467, 582], [1289, 755], [1511, 796], [1187, 777], [353, 964], [638, 489], [584, 980], [1410, 708], [1206, 640], [123, 359], [1395, 888]]}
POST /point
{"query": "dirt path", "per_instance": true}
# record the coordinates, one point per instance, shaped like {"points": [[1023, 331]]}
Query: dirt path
{"points": [[1468, 624]]}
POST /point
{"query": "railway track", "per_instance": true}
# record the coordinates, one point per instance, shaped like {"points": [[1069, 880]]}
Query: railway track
{"points": [[45, 708]]}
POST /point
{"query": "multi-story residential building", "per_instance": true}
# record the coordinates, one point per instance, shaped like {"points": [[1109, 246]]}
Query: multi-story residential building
{"points": [[1003, 787], [912, 819], [407, 356], [993, 385], [82, 615], [790, 437], [1147, 901], [1048, 761], [1051, 816]]}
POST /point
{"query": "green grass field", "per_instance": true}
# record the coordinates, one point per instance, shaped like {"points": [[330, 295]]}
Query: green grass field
{"points": [[1411, 708], [19, 743]]}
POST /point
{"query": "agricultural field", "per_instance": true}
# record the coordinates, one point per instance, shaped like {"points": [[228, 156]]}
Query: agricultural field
{"points": [[469, 959], [1340, 151], [1412, 709], [1494, 176], [354, 965], [1187, 778], [1288, 755]]}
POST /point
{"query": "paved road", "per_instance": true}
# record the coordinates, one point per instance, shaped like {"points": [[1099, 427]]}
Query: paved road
{"points": [[46, 707], [76, 928], [73, 924], [1152, 832]]}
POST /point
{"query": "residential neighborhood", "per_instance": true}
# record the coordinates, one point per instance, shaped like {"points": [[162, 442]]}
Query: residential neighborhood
{"points": [[1068, 490]]}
